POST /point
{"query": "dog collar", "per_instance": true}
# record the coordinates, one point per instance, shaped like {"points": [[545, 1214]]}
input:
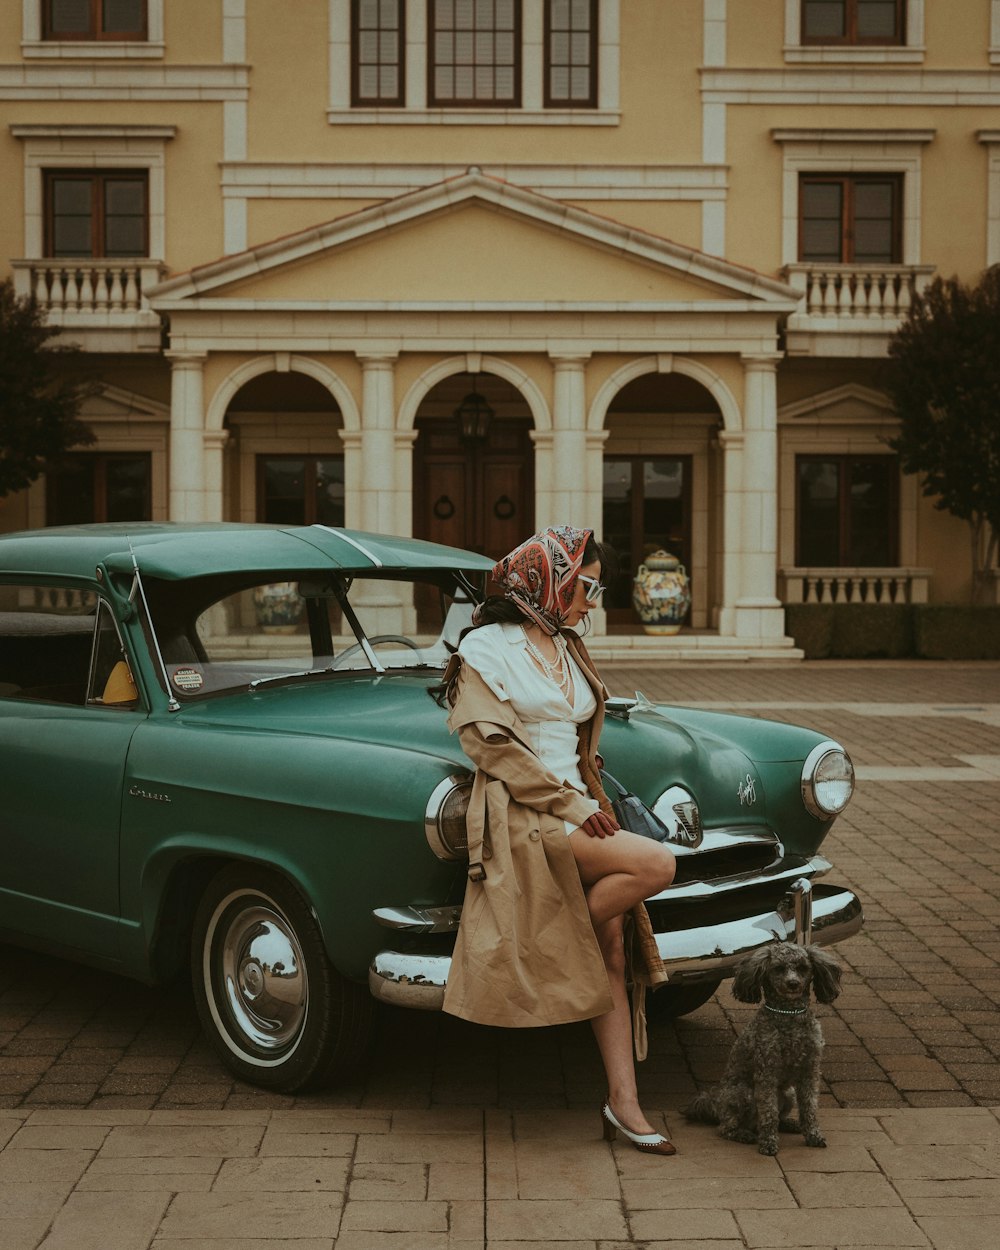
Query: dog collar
{"points": [[787, 1011]]}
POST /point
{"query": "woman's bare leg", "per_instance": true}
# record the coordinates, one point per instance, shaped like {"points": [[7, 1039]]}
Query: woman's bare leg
{"points": [[613, 1032], [617, 873]]}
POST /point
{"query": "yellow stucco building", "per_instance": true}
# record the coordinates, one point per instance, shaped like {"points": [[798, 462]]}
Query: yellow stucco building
{"points": [[659, 247]]}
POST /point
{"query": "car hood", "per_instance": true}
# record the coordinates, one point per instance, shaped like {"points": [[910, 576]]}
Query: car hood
{"points": [[390, 710], [646, 752]]}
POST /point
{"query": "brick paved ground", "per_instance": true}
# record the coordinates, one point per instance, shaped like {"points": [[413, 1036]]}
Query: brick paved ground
{"points": [[917, 1024], [463, 1138], [467, 1179]]}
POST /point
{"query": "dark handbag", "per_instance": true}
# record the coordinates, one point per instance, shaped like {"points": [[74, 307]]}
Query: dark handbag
{"points": [[631, 812]]}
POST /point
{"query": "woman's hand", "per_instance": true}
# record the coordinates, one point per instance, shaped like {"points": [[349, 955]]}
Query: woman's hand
{"points": [[600, 826]]}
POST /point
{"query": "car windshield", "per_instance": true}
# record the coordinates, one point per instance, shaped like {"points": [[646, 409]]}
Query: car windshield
{"points": [[244, 631]]}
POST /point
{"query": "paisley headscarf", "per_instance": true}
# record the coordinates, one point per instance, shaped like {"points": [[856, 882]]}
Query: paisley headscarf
{"points": [[540, 575]]}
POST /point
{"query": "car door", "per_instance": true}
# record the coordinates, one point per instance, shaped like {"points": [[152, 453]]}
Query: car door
{"points": [[68, 710]]}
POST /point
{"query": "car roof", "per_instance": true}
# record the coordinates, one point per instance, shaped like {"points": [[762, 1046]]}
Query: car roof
{"points": [[174, 550]]}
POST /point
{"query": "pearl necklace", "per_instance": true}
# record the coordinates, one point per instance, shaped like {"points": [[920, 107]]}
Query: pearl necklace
{"points": [[557, 672]]}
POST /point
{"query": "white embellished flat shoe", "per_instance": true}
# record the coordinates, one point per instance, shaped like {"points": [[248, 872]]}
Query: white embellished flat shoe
{"points": [[649, 1143]]}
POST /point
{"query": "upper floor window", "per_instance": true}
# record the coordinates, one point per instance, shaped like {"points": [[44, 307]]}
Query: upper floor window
{"points": [[854, 21], [571, 53], [377, 62], [847, 510], [96, 213], [94, 19], [455, 62], [850, 219], [474, 53]]}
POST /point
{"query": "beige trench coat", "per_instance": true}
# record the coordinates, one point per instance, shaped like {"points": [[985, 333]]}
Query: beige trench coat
{"points": [[526, 953]]}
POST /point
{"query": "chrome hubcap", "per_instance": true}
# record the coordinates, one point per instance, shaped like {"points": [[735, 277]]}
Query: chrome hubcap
{"points": [[262, 977]]}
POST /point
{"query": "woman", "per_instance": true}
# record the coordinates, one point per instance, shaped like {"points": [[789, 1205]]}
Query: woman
{"points": [[552, 877]]}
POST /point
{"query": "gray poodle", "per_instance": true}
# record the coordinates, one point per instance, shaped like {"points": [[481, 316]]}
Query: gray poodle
{"points": [[778, 1053]]}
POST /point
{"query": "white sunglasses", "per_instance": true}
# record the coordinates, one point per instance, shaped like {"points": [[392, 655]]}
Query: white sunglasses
{"points": [[592, 588]]}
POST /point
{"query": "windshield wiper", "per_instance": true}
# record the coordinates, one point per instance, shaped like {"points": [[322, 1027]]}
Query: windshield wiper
{"points": [[306, 672]]}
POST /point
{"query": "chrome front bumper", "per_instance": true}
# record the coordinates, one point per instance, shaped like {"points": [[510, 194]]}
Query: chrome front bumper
{"points": [[822, 914]]}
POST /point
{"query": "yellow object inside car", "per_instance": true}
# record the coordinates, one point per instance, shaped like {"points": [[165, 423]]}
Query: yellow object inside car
{"points": [[120, 688]]}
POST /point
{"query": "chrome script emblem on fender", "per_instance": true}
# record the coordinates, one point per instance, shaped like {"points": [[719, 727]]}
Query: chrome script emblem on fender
{"points": [[138, 793], [746, 792]]}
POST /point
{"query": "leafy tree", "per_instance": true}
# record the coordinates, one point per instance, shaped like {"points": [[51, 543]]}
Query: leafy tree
{"points": [[944, 380], [41, 390]]}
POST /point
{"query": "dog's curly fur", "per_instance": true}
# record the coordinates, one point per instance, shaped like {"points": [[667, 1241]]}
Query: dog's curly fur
{"points": [[777, 1054]]}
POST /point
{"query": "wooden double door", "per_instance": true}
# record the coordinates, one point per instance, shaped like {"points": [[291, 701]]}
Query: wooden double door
{"points": [[477, 495]]}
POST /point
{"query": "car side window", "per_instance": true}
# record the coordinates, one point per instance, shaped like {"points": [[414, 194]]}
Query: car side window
{"points": [[111, 680], [56, 644]]}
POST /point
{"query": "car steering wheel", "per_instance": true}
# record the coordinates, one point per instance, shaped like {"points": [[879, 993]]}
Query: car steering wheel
{"points": [[397, 639]]}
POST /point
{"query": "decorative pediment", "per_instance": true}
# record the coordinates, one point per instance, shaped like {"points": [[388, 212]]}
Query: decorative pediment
{"points": [[112, 403], [851, 404], [474, 242]]}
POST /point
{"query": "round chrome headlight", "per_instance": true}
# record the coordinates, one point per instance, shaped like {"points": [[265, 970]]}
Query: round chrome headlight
{"points": [[444, 819], [827, 780]]}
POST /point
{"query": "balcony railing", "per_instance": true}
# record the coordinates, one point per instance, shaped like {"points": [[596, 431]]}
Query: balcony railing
{"points": [[864, 300], [894, 585], [87, 287]]}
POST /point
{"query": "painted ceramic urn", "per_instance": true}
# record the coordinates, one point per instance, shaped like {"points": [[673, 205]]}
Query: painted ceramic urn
{"points": [[661, 593], [279, 607]]}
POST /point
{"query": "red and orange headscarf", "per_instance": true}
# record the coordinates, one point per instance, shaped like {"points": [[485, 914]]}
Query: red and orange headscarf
{"points": [[540, 575]]}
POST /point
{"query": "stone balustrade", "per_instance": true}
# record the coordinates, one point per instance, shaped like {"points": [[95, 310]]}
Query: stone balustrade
{"points": [[877, 293], [79, 289], [854, 585]]}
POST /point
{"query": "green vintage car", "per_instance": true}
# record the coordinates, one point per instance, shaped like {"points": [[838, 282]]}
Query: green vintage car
{"points": [[218, 751]]}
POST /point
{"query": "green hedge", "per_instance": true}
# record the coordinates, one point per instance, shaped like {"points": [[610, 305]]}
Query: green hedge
{"points": [[862, 631], [944, 632]]}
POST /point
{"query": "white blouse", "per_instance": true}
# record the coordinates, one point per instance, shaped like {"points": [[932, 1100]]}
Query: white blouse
{"points": [[499, 653]]}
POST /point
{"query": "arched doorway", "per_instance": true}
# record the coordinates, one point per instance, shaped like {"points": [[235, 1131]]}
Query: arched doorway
{"points": [[285, 456], [474, 488], [659, 476]]}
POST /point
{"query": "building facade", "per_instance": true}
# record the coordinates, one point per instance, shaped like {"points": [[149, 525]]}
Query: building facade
{"points": [[463, 268]]}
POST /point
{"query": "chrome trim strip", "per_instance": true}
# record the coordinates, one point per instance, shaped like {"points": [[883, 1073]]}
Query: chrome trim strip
{"points": [[418, 980], [420, 919], [725, 840], [726, 885], [353, 541], [695, 954]]}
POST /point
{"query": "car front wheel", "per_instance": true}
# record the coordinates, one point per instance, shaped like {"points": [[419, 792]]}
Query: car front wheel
{"points": [[276, 1011]]}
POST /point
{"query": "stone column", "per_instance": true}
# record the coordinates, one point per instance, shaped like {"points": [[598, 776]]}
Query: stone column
{"points": [[214, 442], [379, 608], [758, 611], [594, 511], [542, 442], [351, 441], [569, 500], [731, 442], [404, 441], [187, 431]]}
